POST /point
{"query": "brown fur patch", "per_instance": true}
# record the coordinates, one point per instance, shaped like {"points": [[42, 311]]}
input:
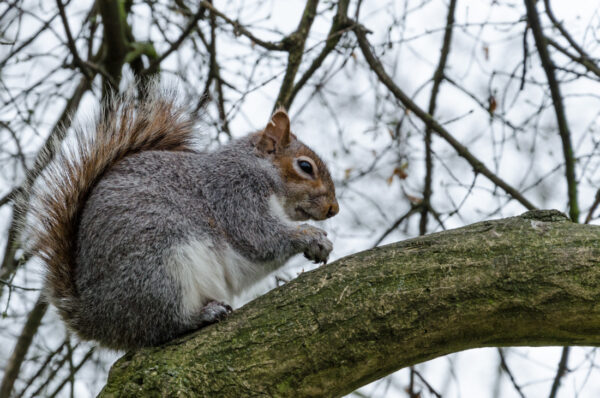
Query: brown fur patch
{"points": [[285, 161]]}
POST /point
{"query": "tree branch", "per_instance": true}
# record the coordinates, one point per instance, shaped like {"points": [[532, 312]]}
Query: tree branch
{"points": [[70, 42], [240, 29], [559, 110], [582, 60], [593, 208], [11, 371], [511, 377], [154, 65], [21, 194], [216, 74], [294, 43], [438, 76], [529, 280], [114, 19], [477, 164], [560, 371], [585, 59], [339, 26]]}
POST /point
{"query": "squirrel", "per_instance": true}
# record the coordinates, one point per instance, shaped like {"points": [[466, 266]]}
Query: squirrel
{"points": [[143, 237]]}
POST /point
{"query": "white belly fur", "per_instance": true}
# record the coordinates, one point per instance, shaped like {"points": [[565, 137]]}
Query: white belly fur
{"points": [[206, 272]]}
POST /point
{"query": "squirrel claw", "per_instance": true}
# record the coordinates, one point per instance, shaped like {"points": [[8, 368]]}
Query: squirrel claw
{"points": [[318, 246], [213, 312]]}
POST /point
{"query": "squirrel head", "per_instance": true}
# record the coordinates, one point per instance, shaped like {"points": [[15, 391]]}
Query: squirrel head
{"points": [[309, 190]]}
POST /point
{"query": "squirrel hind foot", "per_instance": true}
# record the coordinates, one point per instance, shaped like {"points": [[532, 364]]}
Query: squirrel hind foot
{"points": [[213, 312]]}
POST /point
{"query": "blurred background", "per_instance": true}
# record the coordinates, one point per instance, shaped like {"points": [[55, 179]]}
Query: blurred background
{"points": [[431, 114]]}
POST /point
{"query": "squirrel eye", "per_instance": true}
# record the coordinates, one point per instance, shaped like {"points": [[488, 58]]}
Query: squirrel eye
{"points": [[305, 166]]}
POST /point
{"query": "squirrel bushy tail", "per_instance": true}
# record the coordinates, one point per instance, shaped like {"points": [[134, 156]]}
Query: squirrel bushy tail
{"points": [[123, 127]]}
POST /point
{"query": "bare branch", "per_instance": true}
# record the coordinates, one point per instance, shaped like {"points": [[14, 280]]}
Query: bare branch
{"points": [[438, 77], [560, 371], [593, 208], [295, 46], [44, 156], [506, 369], [585, 62], [477, 165], [239, 28], [152, 68], [338, 27], [70, 42], [584, 59], [11, 371], [561, 119], [115, 42]]}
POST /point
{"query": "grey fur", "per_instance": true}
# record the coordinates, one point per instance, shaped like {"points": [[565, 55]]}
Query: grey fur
{"points": [[153, 201]]}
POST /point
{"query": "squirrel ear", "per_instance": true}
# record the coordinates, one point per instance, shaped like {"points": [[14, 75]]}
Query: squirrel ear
{"points": [[277, 133]]}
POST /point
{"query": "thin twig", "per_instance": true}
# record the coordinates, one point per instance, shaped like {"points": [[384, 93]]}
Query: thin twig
{"points": [[438, 77], [28, 41], [506, 369], [70, 42], [11, 371], [560, 371], [525, 57], [477, 164], [585, 62], [87, 356], [44, 156], [559, 110], [175, 45], [13, 286], [51, 375], [240, 29], [214, 69], [41, 369], [395, 225], [429, 387], [590, 214], [585, 59]]}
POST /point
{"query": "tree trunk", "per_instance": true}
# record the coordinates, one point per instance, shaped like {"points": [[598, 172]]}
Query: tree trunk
{"points": [[529, 280]]}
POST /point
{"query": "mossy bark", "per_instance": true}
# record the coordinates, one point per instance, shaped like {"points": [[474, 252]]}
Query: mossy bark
{"points": [[530, 280]]}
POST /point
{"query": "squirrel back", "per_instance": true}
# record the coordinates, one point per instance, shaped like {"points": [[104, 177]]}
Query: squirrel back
{"points": [[122, 128]]}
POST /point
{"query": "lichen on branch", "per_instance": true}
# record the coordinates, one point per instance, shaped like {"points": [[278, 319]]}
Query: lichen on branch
{"points": [[528, 280]]}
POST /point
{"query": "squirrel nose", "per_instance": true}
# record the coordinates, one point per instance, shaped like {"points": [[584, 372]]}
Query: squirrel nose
{"points": [[333, 210]]}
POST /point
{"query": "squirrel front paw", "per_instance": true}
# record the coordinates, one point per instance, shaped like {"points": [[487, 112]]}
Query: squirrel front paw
{"points": [[317, 246]]}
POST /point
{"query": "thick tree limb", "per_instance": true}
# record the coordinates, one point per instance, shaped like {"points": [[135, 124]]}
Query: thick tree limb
{"points": [[114, 19], [529, 280]]}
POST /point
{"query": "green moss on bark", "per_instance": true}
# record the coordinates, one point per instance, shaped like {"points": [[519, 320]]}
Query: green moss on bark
{"points": [[529, 280]]}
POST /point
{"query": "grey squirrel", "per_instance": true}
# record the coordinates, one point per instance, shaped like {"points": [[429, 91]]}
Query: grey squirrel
{"points": [[144, 238]]}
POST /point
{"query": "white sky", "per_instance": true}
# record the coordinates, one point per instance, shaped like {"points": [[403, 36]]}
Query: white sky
{"points": [[352, 99]]}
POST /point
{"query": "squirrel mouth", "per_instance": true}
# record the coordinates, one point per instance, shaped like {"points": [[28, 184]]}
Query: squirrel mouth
{"points": [[303, 212]]}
